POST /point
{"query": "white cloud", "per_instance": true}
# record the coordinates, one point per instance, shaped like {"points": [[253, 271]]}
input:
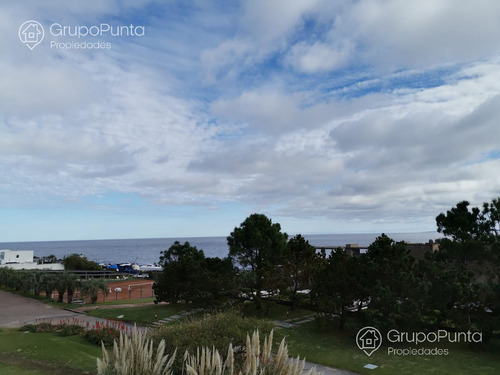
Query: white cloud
{"points": [[311, 109], [320, 57]]}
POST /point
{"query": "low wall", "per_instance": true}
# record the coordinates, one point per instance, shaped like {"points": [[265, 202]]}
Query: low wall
{"points": [[35, 266]]}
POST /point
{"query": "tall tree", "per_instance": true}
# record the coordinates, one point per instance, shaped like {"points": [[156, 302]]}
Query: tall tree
{"points": [[397, 293], [183, 274], [475, 247], [189, 276], [220, 279], [334, 288], [257, 245], [299, 261]]}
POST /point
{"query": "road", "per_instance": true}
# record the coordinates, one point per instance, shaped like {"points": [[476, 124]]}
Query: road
{"points": [[15, 311]]}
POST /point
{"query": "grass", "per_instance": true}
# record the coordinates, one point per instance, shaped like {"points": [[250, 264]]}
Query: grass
{"points": [[46, 353], [49, 354], [274, 311], [142, 315], [338, 349], [124, 302], [7, 369]]}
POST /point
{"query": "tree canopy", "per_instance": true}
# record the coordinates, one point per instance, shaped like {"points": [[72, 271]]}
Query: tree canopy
{"points": [[257, 246], [191, 277]]}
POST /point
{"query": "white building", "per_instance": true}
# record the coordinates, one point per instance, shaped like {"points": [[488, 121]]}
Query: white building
{"points": [[23, 260], [16, 256]]}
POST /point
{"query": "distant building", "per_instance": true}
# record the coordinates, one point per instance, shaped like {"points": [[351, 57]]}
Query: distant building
{"points": [[16, 256], [417, 250], [23, 260]]}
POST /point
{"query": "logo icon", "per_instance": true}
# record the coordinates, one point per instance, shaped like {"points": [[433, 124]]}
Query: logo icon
{"points": [[31, 33], [369, 340]]}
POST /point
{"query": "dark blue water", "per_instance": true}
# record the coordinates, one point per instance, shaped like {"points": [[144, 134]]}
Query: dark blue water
{"points": [[147, 250]]}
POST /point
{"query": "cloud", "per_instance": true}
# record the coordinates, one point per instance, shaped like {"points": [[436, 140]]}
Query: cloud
{"points": [[347, 112], [320, 57]]}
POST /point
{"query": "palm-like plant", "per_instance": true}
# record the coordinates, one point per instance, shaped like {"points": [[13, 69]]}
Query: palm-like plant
{"points": [[91, 288], [49, 283], [66, 282], [36, 280]]}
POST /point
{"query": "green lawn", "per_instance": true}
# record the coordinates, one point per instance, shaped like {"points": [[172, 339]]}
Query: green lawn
{"points": [[332, 348], [274, 311], [46, 354], [142, 315], [7, 369], [125, 301]]}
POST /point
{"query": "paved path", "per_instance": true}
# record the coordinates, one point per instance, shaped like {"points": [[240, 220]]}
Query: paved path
{"points": [[15, 311], [294, 322]]}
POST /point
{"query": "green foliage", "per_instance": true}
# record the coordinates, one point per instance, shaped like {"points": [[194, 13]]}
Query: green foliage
{"points": [[77, 262], [39, 327], [217, 331], [396, 292], [299, 263], [70, 330], [91, 287], [136, 355], [464, 225], [188, 276], [334, 288], [258, 245], [66, 282], [62, 329], [473, 256], [102, 335]]}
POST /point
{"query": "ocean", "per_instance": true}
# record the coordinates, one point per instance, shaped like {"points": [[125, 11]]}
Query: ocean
{"points": [[147, 250]]}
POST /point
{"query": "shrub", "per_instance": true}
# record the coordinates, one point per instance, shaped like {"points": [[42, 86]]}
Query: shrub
{"points": [[28, 328], [134, 354], [217, 330], [39, 327], [102, 335], [70, 330]]}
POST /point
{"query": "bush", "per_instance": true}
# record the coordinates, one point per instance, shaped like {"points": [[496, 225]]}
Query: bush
{"points": [[78, 262], [39, 327], [103, 335], [70, 330], [28, 328], [217, 331]]}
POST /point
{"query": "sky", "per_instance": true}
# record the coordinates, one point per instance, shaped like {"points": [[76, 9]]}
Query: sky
{"points": [[327, 116]]}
